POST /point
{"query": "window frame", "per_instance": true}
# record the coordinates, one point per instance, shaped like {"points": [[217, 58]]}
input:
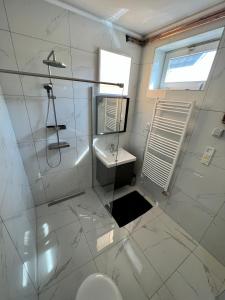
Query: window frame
{"points": [[99, 73], [187, 85]]}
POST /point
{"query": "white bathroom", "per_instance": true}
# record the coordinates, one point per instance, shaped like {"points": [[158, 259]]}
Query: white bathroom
{"points": [[112, 150]]}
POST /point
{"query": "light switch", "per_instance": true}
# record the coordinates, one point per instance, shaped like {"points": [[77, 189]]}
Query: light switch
{"points": [[207, 155], [218, 132]]}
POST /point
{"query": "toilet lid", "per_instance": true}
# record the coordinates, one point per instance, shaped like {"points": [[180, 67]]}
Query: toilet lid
{"points": [[98, 287]]}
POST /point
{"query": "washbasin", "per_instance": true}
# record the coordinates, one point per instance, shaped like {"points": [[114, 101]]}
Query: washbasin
{"points": [[116, 158]]}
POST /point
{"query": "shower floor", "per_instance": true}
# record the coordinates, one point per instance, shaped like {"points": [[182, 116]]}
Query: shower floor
{"points": [[150, 258]]}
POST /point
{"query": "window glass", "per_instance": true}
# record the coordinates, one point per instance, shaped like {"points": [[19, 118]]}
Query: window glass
{"points": [[193, 67], [188, 67]]}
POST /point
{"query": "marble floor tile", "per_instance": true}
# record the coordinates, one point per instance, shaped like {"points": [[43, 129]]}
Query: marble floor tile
{"points": [[194, 280], [44, 210], [15, 282], [148, 217], [93, 218], [88, 201], [214, 241], [48, 223], [163, 294], [60, 253], [22, 230], [165, 247], [66, 289], [212, 265], [131, 271], [101, 239]]}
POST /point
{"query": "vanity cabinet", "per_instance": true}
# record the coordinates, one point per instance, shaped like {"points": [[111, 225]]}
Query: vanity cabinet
{"points": [[120, 175], [115, 167]]}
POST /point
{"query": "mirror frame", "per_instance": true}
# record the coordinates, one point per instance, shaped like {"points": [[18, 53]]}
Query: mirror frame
{"points": [[100, 97]]}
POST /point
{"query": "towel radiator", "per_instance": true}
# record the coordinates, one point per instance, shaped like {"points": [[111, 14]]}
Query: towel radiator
{"points": [[168, 128]]}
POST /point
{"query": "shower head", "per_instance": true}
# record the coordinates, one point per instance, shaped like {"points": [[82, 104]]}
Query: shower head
{"points": [[53, 62]]}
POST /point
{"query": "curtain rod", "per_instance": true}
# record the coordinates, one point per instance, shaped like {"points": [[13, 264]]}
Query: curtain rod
{"points": [[14, 72], [204, 20]]}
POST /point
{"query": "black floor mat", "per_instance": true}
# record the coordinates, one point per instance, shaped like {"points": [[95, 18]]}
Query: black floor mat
{"points": [[128, 208]]}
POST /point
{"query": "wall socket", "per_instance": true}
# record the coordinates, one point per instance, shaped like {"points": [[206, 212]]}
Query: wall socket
{"points": [[207, 155]]}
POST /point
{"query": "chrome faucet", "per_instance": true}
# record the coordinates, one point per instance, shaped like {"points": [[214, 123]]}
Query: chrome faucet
{"points": [[112, 148]]}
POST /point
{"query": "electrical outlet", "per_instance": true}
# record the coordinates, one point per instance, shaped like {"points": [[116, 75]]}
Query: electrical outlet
{"points": [[207, 155], [217, 132]]}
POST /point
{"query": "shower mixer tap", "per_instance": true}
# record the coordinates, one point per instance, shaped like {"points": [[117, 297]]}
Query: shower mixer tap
{"points": [[49, 88]]}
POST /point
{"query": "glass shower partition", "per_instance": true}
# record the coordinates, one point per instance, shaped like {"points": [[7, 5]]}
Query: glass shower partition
{"points": [[109, 120]]}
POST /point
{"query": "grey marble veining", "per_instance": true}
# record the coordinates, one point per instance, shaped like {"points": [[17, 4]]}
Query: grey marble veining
{"points": [[128, 267], [15, 282], [16, 210], [150, 259], [61, 252]]}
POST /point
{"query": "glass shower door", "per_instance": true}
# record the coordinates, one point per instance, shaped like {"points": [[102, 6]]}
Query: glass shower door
{"points": [[109, 121]]}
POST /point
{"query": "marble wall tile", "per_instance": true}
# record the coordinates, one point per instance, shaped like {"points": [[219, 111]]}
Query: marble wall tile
{"points": [[8, 61], [3, 17], [37, 110], [38, 191], [68, 156], [202, 136], [85, 176], [67, 288], [82, 117], [16, 200], [190, 214], [215, 97], [120, 45], [19, 118], [13, 201], [30, 59], [15, 282], [46, 21], [84, 155], [198, 182], [75, 40], [88, 35], [84, 64], [61, 184], [134, 81], [30, 161], [130, 270]]}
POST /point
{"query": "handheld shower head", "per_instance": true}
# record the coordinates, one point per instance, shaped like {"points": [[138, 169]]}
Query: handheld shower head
{"points": [[53, 62]]}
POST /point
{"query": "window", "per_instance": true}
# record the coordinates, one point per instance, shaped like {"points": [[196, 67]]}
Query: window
{"points": [[114, 68], [188, 68]]}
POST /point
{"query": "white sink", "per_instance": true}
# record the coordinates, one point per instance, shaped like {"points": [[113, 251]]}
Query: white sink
{"points": [[116, 158]]}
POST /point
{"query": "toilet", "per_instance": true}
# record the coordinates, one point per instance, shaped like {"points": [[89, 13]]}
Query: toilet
{"points": [[98, 287]]}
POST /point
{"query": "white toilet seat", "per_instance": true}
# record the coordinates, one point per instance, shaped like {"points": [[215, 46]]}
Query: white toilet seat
{"points": [[98, 287]]}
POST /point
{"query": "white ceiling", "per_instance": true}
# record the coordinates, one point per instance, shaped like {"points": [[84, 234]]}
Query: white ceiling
{"points": [[143, 16]]}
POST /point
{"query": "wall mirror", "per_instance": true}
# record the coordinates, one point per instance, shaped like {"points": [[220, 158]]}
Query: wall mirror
{"points": [[111, 114]]}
